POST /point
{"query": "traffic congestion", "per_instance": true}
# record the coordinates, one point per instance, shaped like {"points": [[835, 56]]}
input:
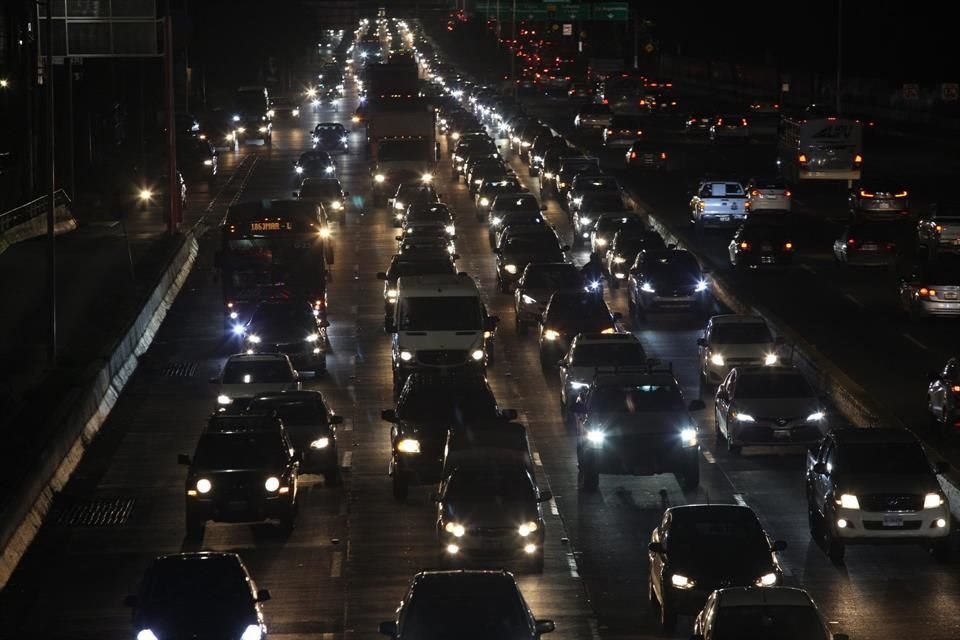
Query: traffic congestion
{"points": [[466, 350]]}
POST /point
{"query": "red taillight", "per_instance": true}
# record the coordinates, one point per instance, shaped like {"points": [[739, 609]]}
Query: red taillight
{"points": [[891, 246], [633, 155], [852, 242], [663, 155], [955, 388], [755, 193], [605, 101], [719, 122], [788, 246], [802, 158], [744, 121], [787, 193], [858, 159]]}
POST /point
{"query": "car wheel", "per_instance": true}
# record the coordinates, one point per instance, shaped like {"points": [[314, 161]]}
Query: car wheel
{"points": [[940, 550], [588, 478], [401, 488]]}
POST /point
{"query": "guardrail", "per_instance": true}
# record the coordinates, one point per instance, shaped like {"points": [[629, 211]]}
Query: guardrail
{"points": [[30, 210]]}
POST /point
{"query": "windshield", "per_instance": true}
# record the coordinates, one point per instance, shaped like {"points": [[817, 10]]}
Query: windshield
{"points": [[321, 190], [211, 580], [885, 232], [410, 193], [773, 385], [330, 130], [291, 412], [531, 244], [608, 224], [492, 482], [633, 244], [563, 276], [630, 399], [246, 450], [257, 372], [883, 458], [251, 102], [447, 405], [526, 203], [438, 612], [440, 313], [716, 532], [597, 183], [582, 311], [767, 622], [741, 333], [493, 186], [678, 269], [608, 354], [571, 168], [420, 268], [602, 201]]}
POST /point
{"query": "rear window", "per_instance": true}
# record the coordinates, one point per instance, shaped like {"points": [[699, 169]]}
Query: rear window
{"points": [[608, 354], [259, 372], [723, 189]]}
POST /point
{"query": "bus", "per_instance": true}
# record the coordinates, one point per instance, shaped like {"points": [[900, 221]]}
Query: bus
{"points": [[816, 146], [273, 249]]}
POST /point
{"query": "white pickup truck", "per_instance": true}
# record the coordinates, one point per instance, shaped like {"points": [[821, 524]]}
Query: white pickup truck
{"points": [[718, 203]]}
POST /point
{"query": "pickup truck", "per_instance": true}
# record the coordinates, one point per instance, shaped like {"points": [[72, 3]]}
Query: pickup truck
{"points": [[718, 203], [874, 486]]}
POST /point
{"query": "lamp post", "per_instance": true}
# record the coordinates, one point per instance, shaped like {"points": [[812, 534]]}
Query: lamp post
{"points": [[51, 194], [839, 52]]}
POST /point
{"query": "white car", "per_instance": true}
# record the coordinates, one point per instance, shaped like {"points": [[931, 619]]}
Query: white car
{"points": [[247, 375], [768, 194], [761, 612], [591, 352], [735, 341], [768, 406]]}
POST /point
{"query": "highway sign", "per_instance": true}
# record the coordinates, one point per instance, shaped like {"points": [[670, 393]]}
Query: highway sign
{"points": [[611, 12]]}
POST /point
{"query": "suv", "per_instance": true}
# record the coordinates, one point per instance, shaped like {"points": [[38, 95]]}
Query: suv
{"points": [[569, 169], [635, 421], [538, 282], [875, 485], [291, 328], [718, 203], [568, 313], [755, 611], [588, 354], [735, 341], [590, 183]]}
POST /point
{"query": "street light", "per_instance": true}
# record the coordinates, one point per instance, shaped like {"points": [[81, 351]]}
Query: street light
{"points": [[4, 83]]}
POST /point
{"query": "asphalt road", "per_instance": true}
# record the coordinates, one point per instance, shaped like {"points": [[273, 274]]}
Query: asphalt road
{"points": [[347, 562]]}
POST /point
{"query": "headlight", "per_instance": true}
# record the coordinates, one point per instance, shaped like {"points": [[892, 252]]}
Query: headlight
{"points": [[241, 129], [717, 359], [262, 129], [254, 338], [849, 501], [550, 334], [409, 445], [585, 222], [562, 185], [221, 399], [766, 580], [238, 329], [646, 286], [336, 205], [328, 169], [497, 220], [688, 437], [484, 202], [742, 417], [477, 354], [527, 299], [271, 113], [324, 232], [619, 260], [379, 177], [298, 169], [578, 200], [392, 293], [272, 484], [527, 528], [320, 443], [601, 242], [252, 632], [524, 144], [355, 119], [456, 529], [406, 356], [208, 163], [343, 140], [295, 113], [478, 181], [145, 194], [450, 229], [702, 285], [932, 501], [204, 486], [510, 268], [816, 416], [548, 175], [146, 634], [455, 135], [682, 582], [576, 386], [427, 177], [770, 359], [595, 437], [313, 337], [398, 205]]}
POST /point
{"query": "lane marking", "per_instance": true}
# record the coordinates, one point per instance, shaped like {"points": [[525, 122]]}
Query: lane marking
{"points": [[915, 341], [594, 629], [554, 509], [536, 459], [336, 564], [807, 267], [738, 498], [852, 298], [572, 564], [708, 457], [347, 460]]}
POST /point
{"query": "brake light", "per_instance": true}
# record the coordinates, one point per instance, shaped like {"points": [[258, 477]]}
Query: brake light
{"points": [[865, 194], [605, 101], [744, 121], [939, 228], [902, 194], [719, 122], [787, 193], [755, 193], [891, 246], [927, 292], [858, 159], [663, 155], [633, 155], [803, 158], [788, 246], [955, 388], [852, 242], [745, 245]]}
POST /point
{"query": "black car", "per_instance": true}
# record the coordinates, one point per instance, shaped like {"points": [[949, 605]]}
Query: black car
{"points": [[761, 245], [290, 327], [590, 183], [470, 145], [550, 166], [514, 253], [318, 164], [698, 548], [244, 469], [568, 313], [490, 509], [590, 208], [539, 281], [644, 155], [331, 136], [198, 595], [471, 605], [411, 265], [667, 280], [410, 193], [426, 212], [541, 144], [569, 169], [311, 425], [197, 160], [329, 193], [608, 224], [427, 407], [623, 250]]}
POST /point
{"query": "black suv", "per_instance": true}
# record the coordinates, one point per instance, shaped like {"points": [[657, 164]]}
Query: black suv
{"points": [[667, 280], [289, 327], [568, 313], [243, 470]]}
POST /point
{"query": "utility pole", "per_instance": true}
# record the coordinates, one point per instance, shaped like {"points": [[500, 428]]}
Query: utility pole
{"points": [[513, 53], [839, 52], [173, 185], [51, 195]]}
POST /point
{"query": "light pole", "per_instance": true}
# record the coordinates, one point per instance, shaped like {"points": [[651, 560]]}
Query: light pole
{"points": [[51, 194], [839, 52]]}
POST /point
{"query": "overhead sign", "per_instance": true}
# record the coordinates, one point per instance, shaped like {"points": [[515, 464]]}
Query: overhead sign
{"points": [[104, 29], [567, 29], [611, 12], [950, 91], [560, 10]]}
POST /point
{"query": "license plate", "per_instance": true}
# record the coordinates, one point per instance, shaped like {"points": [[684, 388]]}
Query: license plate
{"points": [[892, 521], [724, 218], [781, 433], [956, 240], [949, 295], [868, 247], [766, 246], [885, 205], [733, 206]]}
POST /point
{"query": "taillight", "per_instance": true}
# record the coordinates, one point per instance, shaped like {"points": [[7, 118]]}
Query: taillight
{"points": [[891, 246], [633, 155], [787, 194], [755, 193], [924, 292], [744, 121], [902, 194], [663, 155], [605, 101], [745, 245], [955, 388], [858, 159], [788, 246], [719, 122], [852, 242], [939, 228], [803, 158]]}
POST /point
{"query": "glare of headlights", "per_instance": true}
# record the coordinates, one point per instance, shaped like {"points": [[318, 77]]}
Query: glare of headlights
{"points": [[427, 177], [336, 205], [770, 359], [398, 205], [578, 385], [295, 112], [204, 485], [766, 580], [145, 194], [453, 549], [510, 268], [681, 582], [595, 436], [379, 177], [702, 285], [742, 417], [272, 484], [406, 356], [236, 118], [527, 528], [619, 260], [848, 501], [238, 329], [816, 416], [254, 338], [328, 169], [298, 169], [450, 229], [550, 334], [271, 113], [527, 299], [222, 399], [455, 135], [458, 530], [313, 337], [484, 202], [688, 437], [477, 354], [241, 129], [601, 242], [585, 222], [548, 175], [252, 632], [343, 140], [409, 445], [320, 443], [647, 287], [324, 232], [717, 359], [262, 130], [391, 293], [932, 501], [208, 163], [146, 634], [497, 220]]}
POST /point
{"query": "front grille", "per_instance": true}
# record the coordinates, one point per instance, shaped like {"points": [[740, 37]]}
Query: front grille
{"points": [[891, 502], [289, 348], [877, 525], [441, 357], [490, 532]]}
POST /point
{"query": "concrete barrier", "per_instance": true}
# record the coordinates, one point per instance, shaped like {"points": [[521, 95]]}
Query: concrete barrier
{"points": [[81, 414], [37, 226]]}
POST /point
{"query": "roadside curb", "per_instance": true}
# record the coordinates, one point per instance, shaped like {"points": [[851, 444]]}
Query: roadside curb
{"points": [[81, 414], [37, 226]]}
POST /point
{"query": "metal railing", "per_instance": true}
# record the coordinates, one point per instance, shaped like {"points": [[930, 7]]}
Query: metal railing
{"points": [[30, 210]]}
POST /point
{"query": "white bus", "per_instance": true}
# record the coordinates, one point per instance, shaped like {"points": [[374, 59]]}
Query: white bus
{"points": [[819, 147]]}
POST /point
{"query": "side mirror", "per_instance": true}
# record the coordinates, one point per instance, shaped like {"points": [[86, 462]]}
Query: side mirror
{"points": [[508, 414], [263, 595], [335, 419], [617, 315], [388, 415], [701, 342], [545, 496], [656, 547], [779, 545], [941, 467], [130, 601], [388, 628], [183, 459], [381, 275], [821, 468], [697, 405], [544, 626]]}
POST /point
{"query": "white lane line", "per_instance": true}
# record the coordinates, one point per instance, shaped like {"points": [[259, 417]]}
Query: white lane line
{"points": [[554, 509], [536, 459], [572, 563], [708, 457], [852, 298], [594, 629], [915, 341], [738, 498], [347, 461], [336, 564], [807, 267]]}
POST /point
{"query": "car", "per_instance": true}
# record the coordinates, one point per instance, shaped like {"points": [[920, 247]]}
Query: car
{"points": [[579, 91], [729, 127], [758, 244], [427, 212], [483, 441], [311, 426], [876, 486], [698, 124], [593, 116], [198, 595], [666, 280], [698, 548], [943, 396], [518, 250], [867, 244], [523, 140], [198, 160], [284, 105], [608, 224], [493, 187], [626, 245], [537, 283], [592, 205], [427, 233], [550, 167], [938, 228], [289, 327], [247, 375], [474, 143], [541, 144], [879, 200], [410, 193], [768, 193], [330, 136], [437, 603], [411, 265], [591, 353], [770, 406], [732, 340], [486, 168], [718, 203], [327, 192], [585, 183], [427, 407], [761, 612], [622, 130], [634, 421], [933, 290], [569, 168], [479, 506], [568, 313], [515, 219], [244, 469], [644, 155]]}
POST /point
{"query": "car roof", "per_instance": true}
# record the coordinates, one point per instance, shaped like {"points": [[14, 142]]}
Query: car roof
{"points": [[602, 338], [463, 575], [736, 318], [778, 370], [892, 435], [692, 509], [257, 357], [219, 423], [304, 395], [634, 375], [201, 556], [437, 283], [761, 596]]}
